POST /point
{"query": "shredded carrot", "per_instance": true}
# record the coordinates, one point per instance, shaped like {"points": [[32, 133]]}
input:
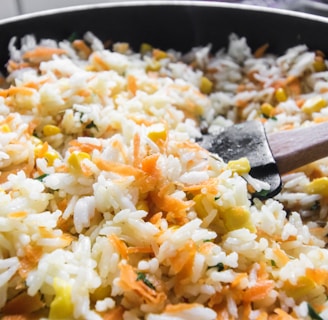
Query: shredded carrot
{"points": [[175, 208], [42, 54], [156, 218], [206, 247], [238, 279], [149, 165], [81, 46], [17, 214], [294, 85], [183, 260], [283, 315], [119, 168], [84, 93], [210, 186], [132, 84], [129, 282], [23, 304], [100, 62], [320, 119], [281, 257], [140, 121], [119, 245], [82, 146], [119, 145], [43, 150], [29, 260], [132, 250], [260, 51], [19, 90], [175, 308], [136, 150], [319, 276], [247, 308], [113, 314], [262, 273], [262, 316], [259, 291], [241, 104], [12, 65], [287, 126]]}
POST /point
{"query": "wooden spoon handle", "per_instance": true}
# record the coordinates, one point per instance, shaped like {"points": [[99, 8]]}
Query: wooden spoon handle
{"points": [[294, 148]]}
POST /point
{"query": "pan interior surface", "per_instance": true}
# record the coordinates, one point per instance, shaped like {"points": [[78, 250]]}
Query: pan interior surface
{"points": [[179, 25]]}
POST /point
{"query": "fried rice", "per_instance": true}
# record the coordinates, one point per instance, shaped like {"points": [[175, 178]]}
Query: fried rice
{"points": [[110, 209]]}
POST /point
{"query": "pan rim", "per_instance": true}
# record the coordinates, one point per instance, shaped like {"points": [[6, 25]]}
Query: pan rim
{"points": [[173, 3]]}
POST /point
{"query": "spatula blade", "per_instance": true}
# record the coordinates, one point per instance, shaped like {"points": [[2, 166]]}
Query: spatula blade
{"points": [[247, 139]]}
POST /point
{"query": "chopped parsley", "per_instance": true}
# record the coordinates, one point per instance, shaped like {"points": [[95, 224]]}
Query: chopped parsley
{"points": [[315, 206], [142, 277], [73, 37], [313, 314], [40, 178], [91, 125], [273, 263], [261, 193], [219, 266]]}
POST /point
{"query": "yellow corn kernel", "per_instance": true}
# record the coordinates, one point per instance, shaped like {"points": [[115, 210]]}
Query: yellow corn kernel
{"points": [[100, 293], [145, 48], [5, 128], [240, 166], [314, 104], [61, 307], [121, 47], [159, 54], [51, 156], [302, 287], [267, 110], [237, 218], [318, 186], [199, 206], [157, 132], [142, 205], [206, 85], [281, 95], [153, 66], [74, 160], [50, 130], [319, 64]]}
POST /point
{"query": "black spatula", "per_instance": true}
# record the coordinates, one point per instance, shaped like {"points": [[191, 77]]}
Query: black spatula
{"points": [[270, 155]]}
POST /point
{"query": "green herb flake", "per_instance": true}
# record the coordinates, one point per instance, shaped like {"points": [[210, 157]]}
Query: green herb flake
{"points": [[313, 314], [315, 206], [73, 37], [219, 266], [273, 263], [91, 125], [262, 193], [217, 198], [142, 277], [40, 178]]}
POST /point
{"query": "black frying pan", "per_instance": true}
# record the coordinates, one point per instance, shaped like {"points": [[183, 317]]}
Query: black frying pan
{"points": [[173, 24]]}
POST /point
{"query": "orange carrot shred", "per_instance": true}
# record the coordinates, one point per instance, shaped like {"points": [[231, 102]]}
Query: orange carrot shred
{"points": [[42, 54], [119, 245], [259, 291], [132, 84], [23, 303], [113, 314], [260, 51], [129, 282]]}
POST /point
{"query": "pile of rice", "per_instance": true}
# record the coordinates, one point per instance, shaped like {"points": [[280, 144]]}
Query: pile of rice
{"points": [[111, 210]]}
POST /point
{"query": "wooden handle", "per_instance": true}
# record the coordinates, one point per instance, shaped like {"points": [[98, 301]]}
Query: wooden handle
{"points": [[295, 148]]}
